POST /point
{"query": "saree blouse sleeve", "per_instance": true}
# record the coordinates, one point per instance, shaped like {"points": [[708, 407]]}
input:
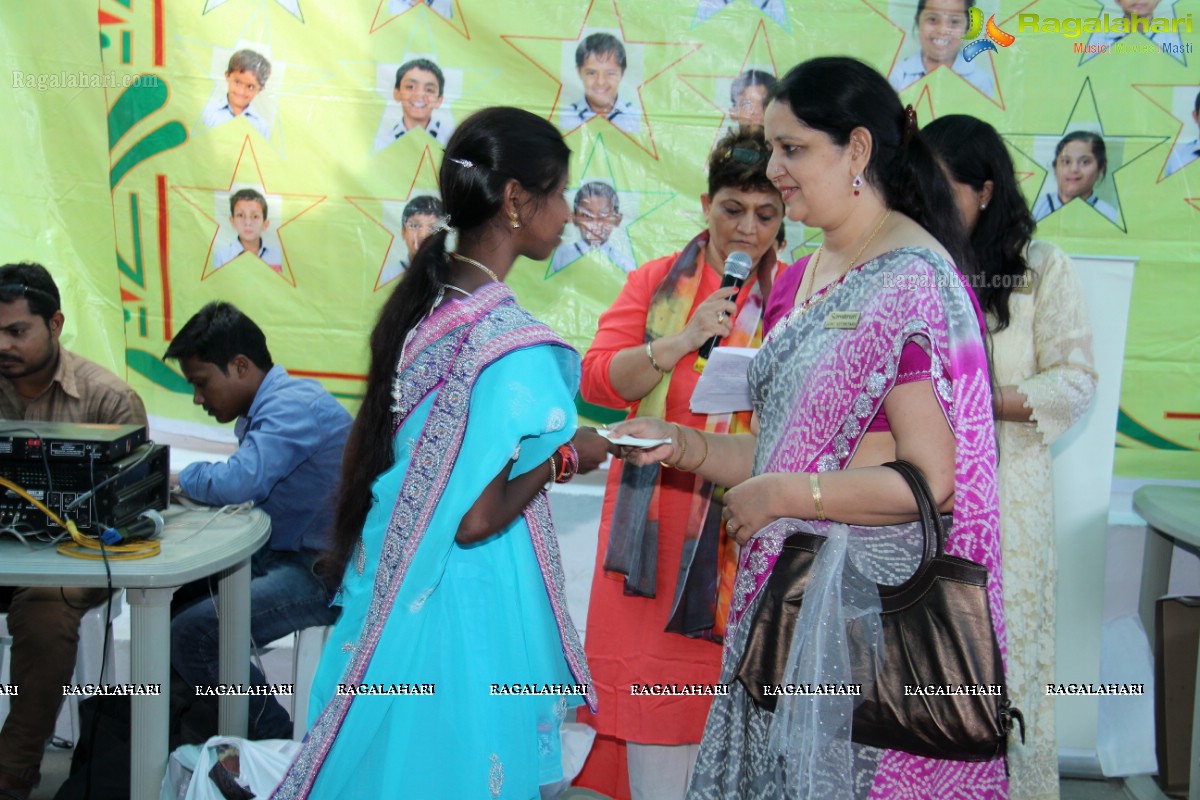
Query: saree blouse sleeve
{"points": [[621, 326], [523, 408], [1061, 389]]}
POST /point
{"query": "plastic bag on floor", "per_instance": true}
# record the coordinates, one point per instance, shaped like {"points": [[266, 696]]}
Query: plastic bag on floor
{"points": [[227, 768]]}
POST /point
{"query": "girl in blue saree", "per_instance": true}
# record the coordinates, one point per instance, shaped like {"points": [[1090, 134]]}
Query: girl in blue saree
{"points": [[454, 661]]}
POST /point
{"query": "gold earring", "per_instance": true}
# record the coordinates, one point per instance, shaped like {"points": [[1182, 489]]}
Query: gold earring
{"points": [[516, 221]]}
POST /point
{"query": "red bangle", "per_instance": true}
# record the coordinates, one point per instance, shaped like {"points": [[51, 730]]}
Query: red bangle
{"points": [[569, 459]]}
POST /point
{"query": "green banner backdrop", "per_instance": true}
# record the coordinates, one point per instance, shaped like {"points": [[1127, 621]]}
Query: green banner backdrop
{"points": [[125, 139]]}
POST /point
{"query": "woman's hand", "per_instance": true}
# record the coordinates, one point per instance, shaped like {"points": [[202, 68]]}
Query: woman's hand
{"points": [[1009, 405], [593, 448], [750, 506], [646, 428], [713, 317]]}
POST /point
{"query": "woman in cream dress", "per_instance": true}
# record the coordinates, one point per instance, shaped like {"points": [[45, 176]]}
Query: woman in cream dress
{"points": [[1044, 382]]}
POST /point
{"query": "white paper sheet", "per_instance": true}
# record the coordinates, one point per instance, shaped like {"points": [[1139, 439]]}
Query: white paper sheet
{"points": [[723, 387]]}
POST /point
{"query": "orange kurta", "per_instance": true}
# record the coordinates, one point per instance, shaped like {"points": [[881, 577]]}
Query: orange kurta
{"points": [[625, 639]]}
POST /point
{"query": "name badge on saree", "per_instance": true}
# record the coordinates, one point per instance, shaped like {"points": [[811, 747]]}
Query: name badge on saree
{"points": [[844, 320]]}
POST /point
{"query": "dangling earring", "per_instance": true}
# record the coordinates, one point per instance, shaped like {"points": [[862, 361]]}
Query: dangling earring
{"points": [[516, 221], [857, 184]]}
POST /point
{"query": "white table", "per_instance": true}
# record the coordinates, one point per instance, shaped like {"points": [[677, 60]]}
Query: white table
{"points": [[1172, 515], [222, 548]]}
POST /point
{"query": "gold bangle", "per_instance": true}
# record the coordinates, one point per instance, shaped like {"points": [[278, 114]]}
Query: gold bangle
{"points": [[814, 482], [653, 363], [553, 473], [704, 441], [682, 447]]}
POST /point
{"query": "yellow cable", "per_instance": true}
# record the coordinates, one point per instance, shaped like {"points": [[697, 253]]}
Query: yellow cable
{"points": [[82, 546]]}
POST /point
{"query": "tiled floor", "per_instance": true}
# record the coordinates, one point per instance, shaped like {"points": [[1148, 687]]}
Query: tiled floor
{"points": [[57, 764]]}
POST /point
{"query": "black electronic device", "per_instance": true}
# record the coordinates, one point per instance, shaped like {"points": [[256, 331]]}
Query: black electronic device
{"points": [[126, 488], [737, 268], [68, 441]]}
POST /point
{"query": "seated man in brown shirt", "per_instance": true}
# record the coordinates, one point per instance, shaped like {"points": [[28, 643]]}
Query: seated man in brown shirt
{"points": [[42, 380]]}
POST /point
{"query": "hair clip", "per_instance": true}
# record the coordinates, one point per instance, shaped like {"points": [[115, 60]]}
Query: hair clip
{"points": [[462, 162], [746, 155]]}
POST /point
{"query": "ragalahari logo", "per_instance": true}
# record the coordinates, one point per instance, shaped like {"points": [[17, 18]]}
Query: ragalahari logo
{"points": [[994, 36]]}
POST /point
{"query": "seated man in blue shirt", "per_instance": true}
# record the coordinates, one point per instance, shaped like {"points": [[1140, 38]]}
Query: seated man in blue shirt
{"points": [[291, 434]]}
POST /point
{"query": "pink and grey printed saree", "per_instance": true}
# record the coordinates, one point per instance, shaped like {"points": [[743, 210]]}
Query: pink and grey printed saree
{"points": [[816, 386]]}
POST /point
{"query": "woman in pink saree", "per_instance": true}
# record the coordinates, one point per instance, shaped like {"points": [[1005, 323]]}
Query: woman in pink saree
{"points": [[875, 354]]}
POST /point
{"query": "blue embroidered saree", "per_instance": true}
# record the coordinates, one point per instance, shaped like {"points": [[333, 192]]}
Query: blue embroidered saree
{"points": [[452, 667]]}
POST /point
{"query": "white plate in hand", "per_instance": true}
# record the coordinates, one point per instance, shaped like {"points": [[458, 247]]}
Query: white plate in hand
{"points": [[632, 441]]}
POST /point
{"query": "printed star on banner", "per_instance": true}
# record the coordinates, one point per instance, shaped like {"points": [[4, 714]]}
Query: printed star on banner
{"points": [[465, 90], [1179, 102], [715, 89], [448, 12], [1167, 41], [1121, 151], [1022, 160], [287, 79], [645, 62], [979, 73], [634, 206], [926, 114], [923, 105], [774, 10], [387, 213], [287, 208], [290, 6]]}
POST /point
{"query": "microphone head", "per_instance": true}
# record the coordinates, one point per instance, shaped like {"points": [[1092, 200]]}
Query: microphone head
{"points": [[155, 518], [738, 265]]}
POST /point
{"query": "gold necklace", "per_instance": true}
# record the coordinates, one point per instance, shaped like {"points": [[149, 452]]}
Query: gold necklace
{"points": [[475, 263], [816, 259]]}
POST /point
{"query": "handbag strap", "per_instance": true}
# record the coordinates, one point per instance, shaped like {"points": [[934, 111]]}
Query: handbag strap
{"points": [[931, 520]]}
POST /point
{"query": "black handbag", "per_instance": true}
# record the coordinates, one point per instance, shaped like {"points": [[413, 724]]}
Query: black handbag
{"points": [[939, 691]]}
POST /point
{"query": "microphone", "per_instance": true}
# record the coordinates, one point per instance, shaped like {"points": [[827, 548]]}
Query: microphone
{"points": [[147, 525], [737, 269]]}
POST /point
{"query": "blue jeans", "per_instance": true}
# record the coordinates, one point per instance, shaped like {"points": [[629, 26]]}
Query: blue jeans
{"points": [[285, 596]]}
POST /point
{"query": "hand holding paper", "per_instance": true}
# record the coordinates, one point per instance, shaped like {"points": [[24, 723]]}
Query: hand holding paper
{"points": [[657, 435], [632, 441]]}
